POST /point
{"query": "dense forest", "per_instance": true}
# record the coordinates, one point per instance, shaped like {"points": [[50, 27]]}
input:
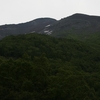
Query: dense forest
{"points": [[41, 67]]}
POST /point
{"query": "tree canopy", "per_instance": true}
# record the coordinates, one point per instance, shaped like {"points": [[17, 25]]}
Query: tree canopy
{"points": [[40, 67]]}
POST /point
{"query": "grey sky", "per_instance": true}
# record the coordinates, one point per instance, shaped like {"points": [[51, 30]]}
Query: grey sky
{"points": [[18, 11]]}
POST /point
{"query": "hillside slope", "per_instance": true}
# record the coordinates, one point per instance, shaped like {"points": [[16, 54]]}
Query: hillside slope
{"points": [[77, 25], [40, 67], [36, 25]]}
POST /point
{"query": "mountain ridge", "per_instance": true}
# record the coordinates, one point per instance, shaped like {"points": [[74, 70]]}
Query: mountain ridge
{"points": [[75, 24], [23, 28]]}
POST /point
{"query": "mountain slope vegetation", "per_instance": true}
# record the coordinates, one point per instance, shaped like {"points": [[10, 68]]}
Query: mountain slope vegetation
{"points": [[41, 67]]}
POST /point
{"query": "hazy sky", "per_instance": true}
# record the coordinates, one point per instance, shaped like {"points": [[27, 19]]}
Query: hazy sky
{"points": [[18, 11]]}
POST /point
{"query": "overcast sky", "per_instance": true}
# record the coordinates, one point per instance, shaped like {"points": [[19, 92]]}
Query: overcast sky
{"points": [[18, 11]]}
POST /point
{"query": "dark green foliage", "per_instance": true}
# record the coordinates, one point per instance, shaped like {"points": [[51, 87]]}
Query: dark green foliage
{"points": [[40, 67]]}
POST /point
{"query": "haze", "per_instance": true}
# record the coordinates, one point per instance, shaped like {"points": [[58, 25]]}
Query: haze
{"points": [[19, 11]]}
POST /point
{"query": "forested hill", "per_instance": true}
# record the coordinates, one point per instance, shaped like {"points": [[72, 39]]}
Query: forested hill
{"points": [[40, 67]]}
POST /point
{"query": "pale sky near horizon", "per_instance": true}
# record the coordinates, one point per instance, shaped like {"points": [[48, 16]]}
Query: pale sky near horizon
{"points": [[19, 11]]}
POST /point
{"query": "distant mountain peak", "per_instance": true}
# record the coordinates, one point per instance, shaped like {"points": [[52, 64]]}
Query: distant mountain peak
{"points": [[36, 25], [75, 24], [83, 16], [79, 15]]}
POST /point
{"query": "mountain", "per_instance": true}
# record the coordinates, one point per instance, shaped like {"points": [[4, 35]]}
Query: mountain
{"points": [[29, 27], [76, 25]]}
